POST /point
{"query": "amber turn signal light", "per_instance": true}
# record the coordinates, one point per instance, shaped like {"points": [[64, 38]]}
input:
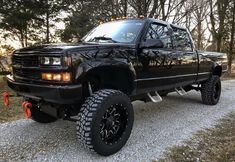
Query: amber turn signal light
{"points": [[56, 77], [47, 76], [65, 77]]}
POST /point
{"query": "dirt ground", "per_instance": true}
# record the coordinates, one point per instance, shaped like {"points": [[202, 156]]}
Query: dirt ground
{"points": [[14, 111]]}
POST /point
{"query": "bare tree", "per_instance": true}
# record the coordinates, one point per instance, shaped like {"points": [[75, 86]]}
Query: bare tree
{"points": [[141, 7], [219, 9], [124, 7], [232, 42], [153, 11], [197, 19]]}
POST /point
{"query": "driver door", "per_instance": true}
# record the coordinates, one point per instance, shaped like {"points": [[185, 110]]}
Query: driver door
{"points": [[156, 64]]}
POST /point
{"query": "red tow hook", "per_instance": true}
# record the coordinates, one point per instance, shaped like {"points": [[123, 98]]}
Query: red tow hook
{"points": [[6, 99], [26, 107]]}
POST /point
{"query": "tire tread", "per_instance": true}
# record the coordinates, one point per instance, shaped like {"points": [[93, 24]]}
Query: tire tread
{"points": [[207, 90], [88, 112]]}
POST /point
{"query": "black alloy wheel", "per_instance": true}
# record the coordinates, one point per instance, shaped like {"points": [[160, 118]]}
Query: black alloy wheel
{"points": [[105, 121]]}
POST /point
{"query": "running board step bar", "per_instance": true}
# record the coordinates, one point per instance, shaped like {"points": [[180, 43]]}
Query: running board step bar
{"points": [[180, 91], [155, 98]]}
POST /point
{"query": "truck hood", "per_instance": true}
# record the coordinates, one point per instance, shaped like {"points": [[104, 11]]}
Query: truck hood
{"points": [[64, 48]]}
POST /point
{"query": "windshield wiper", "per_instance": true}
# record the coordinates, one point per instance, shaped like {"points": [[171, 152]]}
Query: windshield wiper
{"points": [[105, 38]]}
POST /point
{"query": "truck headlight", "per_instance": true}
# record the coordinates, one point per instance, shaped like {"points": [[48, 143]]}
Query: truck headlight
{"points": [[45, 60], [56, 61], [51, 61]]}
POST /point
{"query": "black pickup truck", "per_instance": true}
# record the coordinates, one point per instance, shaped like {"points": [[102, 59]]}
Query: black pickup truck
{"points": [[94, 82]]}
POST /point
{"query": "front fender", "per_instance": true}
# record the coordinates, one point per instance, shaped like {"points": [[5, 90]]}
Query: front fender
{"points": [[89, 65], [86, 60]]}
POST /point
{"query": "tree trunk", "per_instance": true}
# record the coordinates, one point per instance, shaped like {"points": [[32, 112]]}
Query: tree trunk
{"points": [[199, 37], [230, 56], [145, 9], [125, 8], [26, 36], [48, 23], [139, 8], [162, 4], [217, 34], [48, 27], [218, 43], [153, 11], [22, 39]]}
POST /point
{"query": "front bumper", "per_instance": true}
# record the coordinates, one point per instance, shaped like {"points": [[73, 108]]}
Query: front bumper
{"points": [[67, 94]]}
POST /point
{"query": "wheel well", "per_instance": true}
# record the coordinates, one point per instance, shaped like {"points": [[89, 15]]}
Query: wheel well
{"points": [[112, 77], [217, 71]]}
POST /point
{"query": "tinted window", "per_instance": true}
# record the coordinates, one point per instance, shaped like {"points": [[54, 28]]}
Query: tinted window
{"points": [[159, 31], [118, 31], [181, 40]]}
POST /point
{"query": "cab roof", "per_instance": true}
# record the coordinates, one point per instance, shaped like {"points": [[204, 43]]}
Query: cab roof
{"points": [[152, 20]]}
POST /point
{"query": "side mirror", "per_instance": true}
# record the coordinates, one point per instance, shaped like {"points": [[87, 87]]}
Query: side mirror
{"points": [[152, 43]]}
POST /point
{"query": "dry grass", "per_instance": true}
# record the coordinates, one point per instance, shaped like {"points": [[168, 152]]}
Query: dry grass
{"points": [[14, 111], [229, 77], [211, 145]]}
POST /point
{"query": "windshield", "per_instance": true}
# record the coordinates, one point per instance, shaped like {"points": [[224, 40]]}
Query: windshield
{"points": [[115, 32]]}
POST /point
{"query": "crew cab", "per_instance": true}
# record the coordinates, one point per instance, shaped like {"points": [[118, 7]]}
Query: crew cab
{"points": [[95, 81]]}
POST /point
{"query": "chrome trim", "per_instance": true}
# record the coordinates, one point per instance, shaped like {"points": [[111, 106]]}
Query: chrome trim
{"points": [[204, 73], [170, 77]]}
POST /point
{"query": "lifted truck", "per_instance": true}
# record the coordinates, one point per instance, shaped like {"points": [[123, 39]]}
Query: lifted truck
{"points": [[94, 82]]}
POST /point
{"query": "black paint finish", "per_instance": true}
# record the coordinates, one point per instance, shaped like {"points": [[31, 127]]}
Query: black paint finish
{"points": [[132, 68]]}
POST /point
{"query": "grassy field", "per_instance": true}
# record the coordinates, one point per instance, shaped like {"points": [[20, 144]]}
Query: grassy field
{"points": [[14, 111], [216, 144]]}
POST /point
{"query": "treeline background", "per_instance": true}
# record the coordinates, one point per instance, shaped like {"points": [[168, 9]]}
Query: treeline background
{"points": [[30, 22]]}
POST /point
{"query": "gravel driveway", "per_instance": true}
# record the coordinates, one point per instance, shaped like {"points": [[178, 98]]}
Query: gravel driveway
{"points": [[157, 127]]}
